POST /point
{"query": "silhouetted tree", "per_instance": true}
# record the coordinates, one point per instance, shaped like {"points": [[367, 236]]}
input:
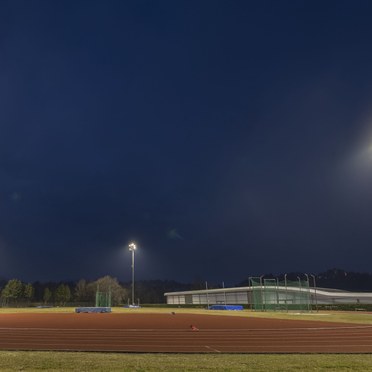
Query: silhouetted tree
{"points": [[47, 295], [62, 294], [81, 292], [13, 291], [28, 292], [106, 284]]}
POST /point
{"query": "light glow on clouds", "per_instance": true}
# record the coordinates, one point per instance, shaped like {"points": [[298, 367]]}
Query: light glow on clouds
{"points": [[357, 170]]}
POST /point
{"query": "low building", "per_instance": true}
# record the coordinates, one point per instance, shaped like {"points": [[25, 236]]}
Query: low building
{"points": [[268, 296]]}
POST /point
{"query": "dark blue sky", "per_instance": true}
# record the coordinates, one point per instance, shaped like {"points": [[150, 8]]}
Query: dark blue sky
{"points": [[227, 138]]}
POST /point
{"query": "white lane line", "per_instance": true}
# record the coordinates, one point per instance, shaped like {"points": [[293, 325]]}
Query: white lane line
{"points": [[271, 347], [161, 338], [103, 346], [171, 330], [213, 349], [224, 348]]}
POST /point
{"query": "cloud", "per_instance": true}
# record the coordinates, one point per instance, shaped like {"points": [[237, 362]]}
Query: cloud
{"points": [[174, 235]]}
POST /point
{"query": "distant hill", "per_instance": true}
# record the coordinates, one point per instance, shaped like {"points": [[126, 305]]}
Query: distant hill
{"points": [[347, 280]]}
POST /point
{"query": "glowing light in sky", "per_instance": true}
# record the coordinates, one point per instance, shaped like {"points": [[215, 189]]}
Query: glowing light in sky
{"points": [[357, 174]]}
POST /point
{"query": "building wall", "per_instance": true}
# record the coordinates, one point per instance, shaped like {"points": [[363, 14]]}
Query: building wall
{"points": [[241, 296]]}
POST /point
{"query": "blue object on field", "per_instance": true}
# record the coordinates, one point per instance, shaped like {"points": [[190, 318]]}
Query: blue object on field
{"points": [[226, 307], [93, 310]]}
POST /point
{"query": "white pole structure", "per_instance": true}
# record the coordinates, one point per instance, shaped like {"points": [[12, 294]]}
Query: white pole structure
{"points": [[286, 292], [263, 307], [224, 292], [206, 287], [132, 248], [316, 299], [308, 293], [299, 281]]}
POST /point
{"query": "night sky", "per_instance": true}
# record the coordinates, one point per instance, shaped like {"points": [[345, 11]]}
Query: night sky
{"points": [[227, 138]]}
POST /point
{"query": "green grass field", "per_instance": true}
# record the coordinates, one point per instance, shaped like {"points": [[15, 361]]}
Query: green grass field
{"points": [[328, 316], [62, 361], [75, 361]]}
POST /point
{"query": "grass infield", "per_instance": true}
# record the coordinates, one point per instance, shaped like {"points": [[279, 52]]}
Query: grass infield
{"points": [[328, 316]]}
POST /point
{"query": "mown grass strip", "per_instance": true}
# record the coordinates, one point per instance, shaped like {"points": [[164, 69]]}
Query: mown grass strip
{"points": [[63, 361]]}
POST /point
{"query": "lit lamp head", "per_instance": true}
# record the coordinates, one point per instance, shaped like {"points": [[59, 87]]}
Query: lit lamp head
{"points": [[132, 247]]}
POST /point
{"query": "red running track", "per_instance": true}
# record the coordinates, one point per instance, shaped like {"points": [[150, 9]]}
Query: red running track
{"points": [[167, 333]]}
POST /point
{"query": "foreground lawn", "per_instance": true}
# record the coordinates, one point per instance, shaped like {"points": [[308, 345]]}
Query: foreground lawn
{"points": [[61, 361]]}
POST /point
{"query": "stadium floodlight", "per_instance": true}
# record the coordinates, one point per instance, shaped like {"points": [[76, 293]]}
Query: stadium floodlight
{"points": [[132, 248]]}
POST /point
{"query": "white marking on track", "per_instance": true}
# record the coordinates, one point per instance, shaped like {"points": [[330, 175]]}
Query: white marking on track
{"points": [[213, 349], [172, 330]]}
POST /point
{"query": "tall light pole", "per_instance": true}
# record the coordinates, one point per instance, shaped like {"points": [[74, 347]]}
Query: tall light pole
{"points": [[132, 248]]}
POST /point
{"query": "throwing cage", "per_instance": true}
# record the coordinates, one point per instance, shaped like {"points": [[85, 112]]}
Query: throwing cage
{"points": [[103, 299], [275, 295]]}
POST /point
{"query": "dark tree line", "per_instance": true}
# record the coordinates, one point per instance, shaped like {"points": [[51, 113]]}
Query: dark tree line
{"points": [[16, 293], [82, 293], [152, 291], [346, 280]]}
